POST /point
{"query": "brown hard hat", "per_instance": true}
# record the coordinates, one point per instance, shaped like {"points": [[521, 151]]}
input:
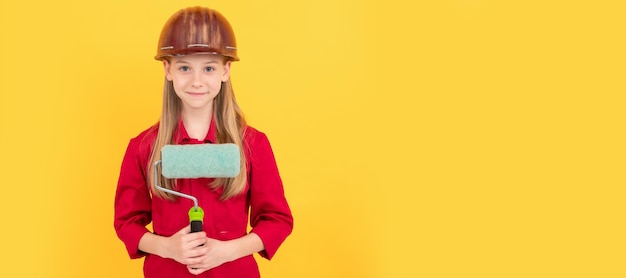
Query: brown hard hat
{"points": [[197, 30]]}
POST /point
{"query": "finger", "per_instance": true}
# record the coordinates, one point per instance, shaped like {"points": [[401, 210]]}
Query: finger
{"points": [[192, 257], [185, 230], [192, 250], [194, 236], [200, 264], [196, 261], [196, 246], [197, 235], [195, 270], [194, 240], [202, 249], [196, 254]]}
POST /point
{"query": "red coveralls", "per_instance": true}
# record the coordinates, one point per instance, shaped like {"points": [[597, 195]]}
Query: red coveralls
{"points": [[270, 216]]}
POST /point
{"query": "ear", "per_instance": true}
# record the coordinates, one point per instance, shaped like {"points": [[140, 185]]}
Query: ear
{"points": [[226, 71], [166, 68]]}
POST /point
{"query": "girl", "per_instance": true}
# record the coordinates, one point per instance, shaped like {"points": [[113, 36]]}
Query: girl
{"points": [[197, 47]]}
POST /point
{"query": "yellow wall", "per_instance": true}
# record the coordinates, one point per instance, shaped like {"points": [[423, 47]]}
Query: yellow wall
{"points": [[466, 138]]}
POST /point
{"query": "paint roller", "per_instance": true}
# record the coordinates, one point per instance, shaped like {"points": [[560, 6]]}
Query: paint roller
{"points": [[197, 161]]}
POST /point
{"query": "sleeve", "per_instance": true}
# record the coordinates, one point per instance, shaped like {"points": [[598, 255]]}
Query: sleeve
{"points": [[270, 215], [132, 201]]}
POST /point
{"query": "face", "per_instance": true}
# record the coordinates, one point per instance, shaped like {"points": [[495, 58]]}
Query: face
{"points": [[197, 78]]}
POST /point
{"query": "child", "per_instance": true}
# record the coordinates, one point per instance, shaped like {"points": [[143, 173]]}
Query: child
{"points": [[197, 47]]}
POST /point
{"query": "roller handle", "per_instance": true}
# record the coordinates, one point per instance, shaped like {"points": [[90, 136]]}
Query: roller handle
{"points": [[196, 226], [196, 214]]}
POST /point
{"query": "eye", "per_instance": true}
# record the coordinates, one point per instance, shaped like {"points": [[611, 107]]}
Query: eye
{"points": [[209, 69], [184, 68]]}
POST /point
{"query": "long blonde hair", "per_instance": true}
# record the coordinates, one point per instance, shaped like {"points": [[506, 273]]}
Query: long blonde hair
{"points": [[230, 128]]}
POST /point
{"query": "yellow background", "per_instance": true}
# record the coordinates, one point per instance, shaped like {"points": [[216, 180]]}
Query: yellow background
{"points": [[452, 138]]}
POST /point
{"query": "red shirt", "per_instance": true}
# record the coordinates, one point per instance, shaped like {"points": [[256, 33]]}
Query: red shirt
{"points": [[263, 197]]}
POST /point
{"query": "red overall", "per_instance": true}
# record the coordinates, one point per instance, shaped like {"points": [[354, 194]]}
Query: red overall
{"points": [[270, 216]]}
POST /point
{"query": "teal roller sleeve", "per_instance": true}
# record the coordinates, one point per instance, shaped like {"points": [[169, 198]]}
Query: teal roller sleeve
{"points": [[200, 161]]}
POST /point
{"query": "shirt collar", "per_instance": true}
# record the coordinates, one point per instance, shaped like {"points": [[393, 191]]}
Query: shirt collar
{"points": [[182, 137]]}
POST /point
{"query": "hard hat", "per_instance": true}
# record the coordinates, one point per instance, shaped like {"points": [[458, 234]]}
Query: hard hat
{"points": [[197, 30]]}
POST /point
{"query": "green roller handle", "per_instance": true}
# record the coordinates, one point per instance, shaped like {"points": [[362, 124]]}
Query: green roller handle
{"points": [[196, 215]]}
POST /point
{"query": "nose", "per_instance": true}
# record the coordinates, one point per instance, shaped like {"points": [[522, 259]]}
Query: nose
{"points": [[196, 82]]}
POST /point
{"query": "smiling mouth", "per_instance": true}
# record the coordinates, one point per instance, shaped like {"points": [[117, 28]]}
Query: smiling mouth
{"points": [[196, 94]]}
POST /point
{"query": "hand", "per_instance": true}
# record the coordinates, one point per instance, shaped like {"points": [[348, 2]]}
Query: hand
{"points": [[184, 246], [214, 253]]}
